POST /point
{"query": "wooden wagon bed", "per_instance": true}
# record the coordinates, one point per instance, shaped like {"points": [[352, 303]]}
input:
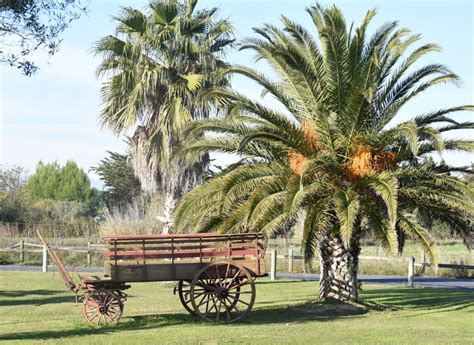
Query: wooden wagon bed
{"points": [[141, 258], [215, 273]]}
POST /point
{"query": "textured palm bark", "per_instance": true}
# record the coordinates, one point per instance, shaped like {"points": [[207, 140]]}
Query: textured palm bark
{"points": [[339, 266], [145, 159], [172, 180], [176, 180]]}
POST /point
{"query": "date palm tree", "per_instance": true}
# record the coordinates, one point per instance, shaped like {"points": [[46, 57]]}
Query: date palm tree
{"points": [[336, 154], [157, 65]]}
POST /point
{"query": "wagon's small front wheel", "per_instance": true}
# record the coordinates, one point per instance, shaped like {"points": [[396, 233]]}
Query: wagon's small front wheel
{"points": [[184, 292], [222, 291], [102, 307]]}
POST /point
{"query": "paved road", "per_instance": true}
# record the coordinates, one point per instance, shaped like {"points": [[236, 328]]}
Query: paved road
{"points": [[395, 280], [390, 280]]}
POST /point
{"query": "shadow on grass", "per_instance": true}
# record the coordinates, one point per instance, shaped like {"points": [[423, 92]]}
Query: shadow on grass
{"points": [[297, 313], [141, 322], [424, 300], [14, 298], [16, 293], [432, 299]]}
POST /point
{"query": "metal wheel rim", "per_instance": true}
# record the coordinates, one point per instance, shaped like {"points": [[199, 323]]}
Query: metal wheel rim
{"points": [[209, 297]]}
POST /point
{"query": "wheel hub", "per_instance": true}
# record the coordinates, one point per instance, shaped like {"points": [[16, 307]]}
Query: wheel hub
{"points": [[221, 292]]}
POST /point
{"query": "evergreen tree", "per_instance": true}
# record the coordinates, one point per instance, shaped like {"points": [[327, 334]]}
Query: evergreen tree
{"points": [[67, 183], [118, 177]]}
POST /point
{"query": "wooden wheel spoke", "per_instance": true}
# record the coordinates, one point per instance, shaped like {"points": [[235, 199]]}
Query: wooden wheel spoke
{"points": [[227, 309], [202, 299], [91, 303], [111, 303], [112, 300], [240, 301], [234, 277], [210, 278], [208, 311], [207, 305], [239, 292], [227, 270], [92, 312], [223, 300], [238, 285], [200, 293], [234, 306], [207, 286], [219, 280], [215, 303], [200, 304], [111, 311], [188, 291], [201, 283], [218, 310], [94, 316]]}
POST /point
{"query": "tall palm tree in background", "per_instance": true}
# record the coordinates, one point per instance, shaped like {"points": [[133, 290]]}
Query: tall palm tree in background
{"points": [[336, 153], [157, 65]]}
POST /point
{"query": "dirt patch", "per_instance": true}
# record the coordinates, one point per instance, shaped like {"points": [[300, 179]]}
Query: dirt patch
{"points": [[329, 309]]}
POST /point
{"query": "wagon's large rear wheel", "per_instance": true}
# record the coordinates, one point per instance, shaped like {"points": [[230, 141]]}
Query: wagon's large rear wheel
{"points": [[222, 291], [102, 307]]}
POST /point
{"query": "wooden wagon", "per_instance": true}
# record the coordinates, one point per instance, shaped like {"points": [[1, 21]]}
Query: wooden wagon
{"points": [[215, 273]]}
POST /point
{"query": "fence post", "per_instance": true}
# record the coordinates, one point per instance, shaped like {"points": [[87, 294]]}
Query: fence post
{"points": [[45, 259], [290, 260], [273, 265], [411, 270], [22, 250], [89, 254]]}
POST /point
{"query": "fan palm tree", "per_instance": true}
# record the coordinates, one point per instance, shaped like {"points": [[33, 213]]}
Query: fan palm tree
{"points": [[335, 153], [157, 66]]}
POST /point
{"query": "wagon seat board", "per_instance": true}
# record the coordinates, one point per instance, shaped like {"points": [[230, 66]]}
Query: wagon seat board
{"points": [[141, 258]]}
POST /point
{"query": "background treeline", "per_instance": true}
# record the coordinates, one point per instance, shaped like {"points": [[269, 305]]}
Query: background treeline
{"points": [[59, 198], [60, 201]]}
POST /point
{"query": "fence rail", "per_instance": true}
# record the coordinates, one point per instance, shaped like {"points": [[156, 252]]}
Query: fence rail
{"points": [[23, 247]]}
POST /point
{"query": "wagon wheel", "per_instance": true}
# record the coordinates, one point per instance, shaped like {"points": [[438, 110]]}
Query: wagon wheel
{"points": [[102, 307], [222, 291], [184, 292]]}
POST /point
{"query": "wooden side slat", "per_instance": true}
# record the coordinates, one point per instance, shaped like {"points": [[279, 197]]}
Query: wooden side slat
{"points": [[181, 254], [121, 247], [174, 257], [183, 236]]}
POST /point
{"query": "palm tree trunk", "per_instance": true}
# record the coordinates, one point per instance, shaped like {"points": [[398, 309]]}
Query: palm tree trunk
{"points": [[145, 159], [339, 266], [178, 179], [168, 208]]}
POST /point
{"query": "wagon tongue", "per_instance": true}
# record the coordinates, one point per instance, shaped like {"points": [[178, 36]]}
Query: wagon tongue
{"points": [[59, 265]]}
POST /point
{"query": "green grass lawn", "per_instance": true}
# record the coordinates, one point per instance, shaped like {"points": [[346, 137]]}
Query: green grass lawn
{"points": [[35, 308]]}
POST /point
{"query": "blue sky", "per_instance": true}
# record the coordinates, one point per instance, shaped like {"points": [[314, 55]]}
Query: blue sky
{"points": [[53, 115]]}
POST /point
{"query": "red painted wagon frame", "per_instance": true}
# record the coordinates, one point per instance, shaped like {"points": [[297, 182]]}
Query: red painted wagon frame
{"points": [[215, 273]]}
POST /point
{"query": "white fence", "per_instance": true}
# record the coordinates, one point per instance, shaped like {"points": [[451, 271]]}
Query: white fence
{"points": [[23, 247]]}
